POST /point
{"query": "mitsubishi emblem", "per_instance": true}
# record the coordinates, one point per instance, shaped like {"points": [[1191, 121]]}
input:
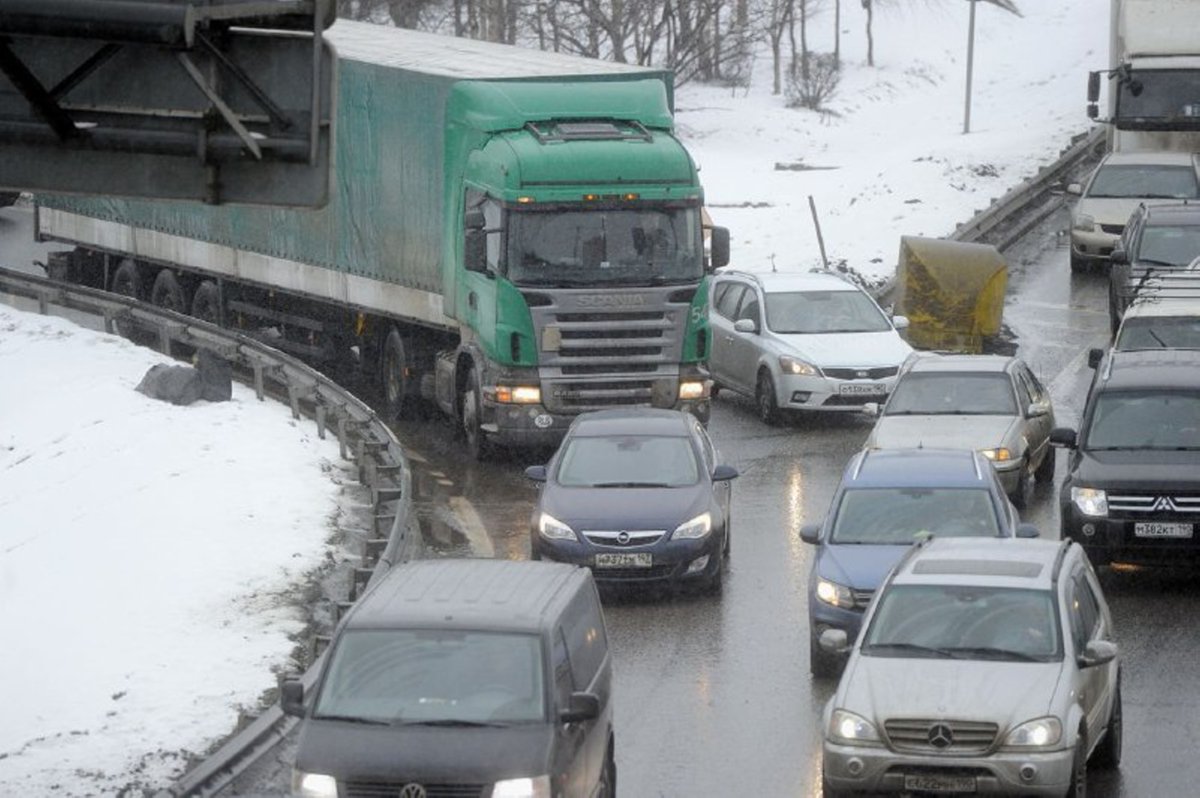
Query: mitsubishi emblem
{"points": [[1163, 504]]}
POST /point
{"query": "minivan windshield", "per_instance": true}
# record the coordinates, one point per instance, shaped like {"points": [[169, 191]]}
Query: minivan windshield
{"points": [[901, 515], [434, 677], [808, 312], [630, 461], [1129, 181], [1158, 332], [952, 393], [964, 622], [1145, 420]]}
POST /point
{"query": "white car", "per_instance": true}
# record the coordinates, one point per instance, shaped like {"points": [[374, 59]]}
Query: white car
{"points": [[802, 341], [1121, 182]]}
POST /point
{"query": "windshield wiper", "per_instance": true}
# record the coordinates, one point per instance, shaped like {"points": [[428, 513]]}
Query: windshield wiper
{"points": [[911, 647], [630, 485], [1154, 335], [453, 723], [996, 652], [354, 719]]}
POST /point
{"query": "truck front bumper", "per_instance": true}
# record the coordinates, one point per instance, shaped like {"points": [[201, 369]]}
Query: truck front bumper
{"points": [[534, 426]]}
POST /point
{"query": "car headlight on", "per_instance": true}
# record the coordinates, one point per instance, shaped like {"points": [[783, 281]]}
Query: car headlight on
{"points": [[1090, 501], [536, 787], [850, 728], [1037, 733], [835, 594], [1084, 223], [791, 365], [313, 785], [695, 529], [998, 455], [551, 528]]}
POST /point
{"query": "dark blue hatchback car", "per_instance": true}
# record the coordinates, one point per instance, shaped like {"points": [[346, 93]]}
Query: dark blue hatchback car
{"points": [[887, 500], [637, 495]]}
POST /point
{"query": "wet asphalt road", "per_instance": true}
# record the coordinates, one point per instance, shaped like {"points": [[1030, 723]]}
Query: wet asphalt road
{"points": [[713, 695]]}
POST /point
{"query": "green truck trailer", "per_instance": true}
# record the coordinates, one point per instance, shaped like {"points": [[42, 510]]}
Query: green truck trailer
{"points": [[513, 234]]}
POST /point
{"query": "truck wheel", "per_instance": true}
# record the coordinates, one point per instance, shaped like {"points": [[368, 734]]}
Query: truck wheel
{"points": [[206, 304], [479, 447], [394, 375], [126, 280], [167, 294]]}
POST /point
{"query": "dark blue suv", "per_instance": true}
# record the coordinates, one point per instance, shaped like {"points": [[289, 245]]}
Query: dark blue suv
{"points": [[887, 500]]}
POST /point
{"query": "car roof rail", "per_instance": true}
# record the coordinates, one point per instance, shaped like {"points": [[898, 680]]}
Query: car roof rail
{"points": [[1058, 561]]}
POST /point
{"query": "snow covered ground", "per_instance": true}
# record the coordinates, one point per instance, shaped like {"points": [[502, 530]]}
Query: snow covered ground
{"points": [[149, 555]]}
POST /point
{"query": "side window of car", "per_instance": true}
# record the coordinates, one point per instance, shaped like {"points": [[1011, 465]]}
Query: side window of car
{"points": [[586, 641], [727, 304], [1024, 391], [563, 684], [1084, 611], [749, 308], [1035, 385], [719, 292]]}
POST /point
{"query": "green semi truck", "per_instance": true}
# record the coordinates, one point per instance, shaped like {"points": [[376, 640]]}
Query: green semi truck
{"points": [[515, 235]]}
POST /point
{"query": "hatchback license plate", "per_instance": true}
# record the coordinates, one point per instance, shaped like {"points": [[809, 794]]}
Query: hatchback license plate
{"points": [[623, 560], [862, 389], [931, 783], [1151, 529]]}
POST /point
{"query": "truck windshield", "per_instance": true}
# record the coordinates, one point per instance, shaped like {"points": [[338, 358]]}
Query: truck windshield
{"points": [[434, 677], [1160, 97], [1145, 420], [601, 246]]}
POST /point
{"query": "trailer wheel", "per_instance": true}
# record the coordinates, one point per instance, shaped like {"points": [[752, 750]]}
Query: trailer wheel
{"points": [[206, 304], [394, 374], [478, 445], [126, 280], [167, 293]]}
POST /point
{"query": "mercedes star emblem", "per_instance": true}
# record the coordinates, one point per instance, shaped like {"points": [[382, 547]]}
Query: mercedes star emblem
{"points": [[940, 736]]}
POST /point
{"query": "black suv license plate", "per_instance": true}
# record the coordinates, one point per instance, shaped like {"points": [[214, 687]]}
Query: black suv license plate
{"points": [[933, 783]]}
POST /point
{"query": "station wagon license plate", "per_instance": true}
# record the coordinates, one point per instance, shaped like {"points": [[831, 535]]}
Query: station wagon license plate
{"points": [[1151, 529], [931, 783], [624, 560], [862, 389]]}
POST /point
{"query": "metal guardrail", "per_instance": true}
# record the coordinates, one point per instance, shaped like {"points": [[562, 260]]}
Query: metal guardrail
{"points": [[361, 434]]}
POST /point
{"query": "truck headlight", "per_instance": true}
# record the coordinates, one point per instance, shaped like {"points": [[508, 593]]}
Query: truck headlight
{"points": [[551, 528], [313, 785], [850, 728], [1090, 501], [694, 529], [692, 389], [1037, 733], [835, 594], [518, 394], [998, 455], [791, 365], [1084, 223], [535, 787]]}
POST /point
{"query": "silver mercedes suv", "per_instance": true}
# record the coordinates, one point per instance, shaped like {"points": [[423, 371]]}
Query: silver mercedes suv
{"points": [[983, 666]]}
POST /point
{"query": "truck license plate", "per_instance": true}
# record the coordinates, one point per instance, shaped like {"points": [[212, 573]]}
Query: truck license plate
{"points": [[862, 389], [1152, 529], [932, 783], [624, 560]]}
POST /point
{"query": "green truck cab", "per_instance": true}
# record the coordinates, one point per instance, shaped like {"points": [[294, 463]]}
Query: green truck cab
{"points": [[514, 234]]}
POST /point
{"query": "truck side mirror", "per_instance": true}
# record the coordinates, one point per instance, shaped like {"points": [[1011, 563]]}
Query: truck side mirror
{"points": [[1093, 111], [719, 248], [1093, 91], [475, 251]]}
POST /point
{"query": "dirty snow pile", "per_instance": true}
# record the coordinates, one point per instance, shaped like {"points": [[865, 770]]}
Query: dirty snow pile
{"points": [[149, 556]]}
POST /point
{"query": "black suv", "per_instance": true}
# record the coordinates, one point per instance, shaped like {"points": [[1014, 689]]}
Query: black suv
{"points": [[1132, 491], [1159, 243]]}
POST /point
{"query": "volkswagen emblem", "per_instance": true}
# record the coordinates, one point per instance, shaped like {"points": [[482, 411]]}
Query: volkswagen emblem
{"points": [[413, 790], [623, 537], [940, 736]]}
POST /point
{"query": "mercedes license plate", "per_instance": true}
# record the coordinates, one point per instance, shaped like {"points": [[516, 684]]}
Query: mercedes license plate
{"points": [[862, 389], [933, 783], [624, 560], [1156, 529]]}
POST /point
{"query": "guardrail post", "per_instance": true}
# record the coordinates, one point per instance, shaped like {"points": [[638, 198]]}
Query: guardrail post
{"points": [[342, 442], [294, 400], [321, 421], [258, 381], [164, 341]]}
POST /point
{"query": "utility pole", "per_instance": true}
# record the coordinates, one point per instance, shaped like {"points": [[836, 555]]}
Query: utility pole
{"points": [[1007, 5]]}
